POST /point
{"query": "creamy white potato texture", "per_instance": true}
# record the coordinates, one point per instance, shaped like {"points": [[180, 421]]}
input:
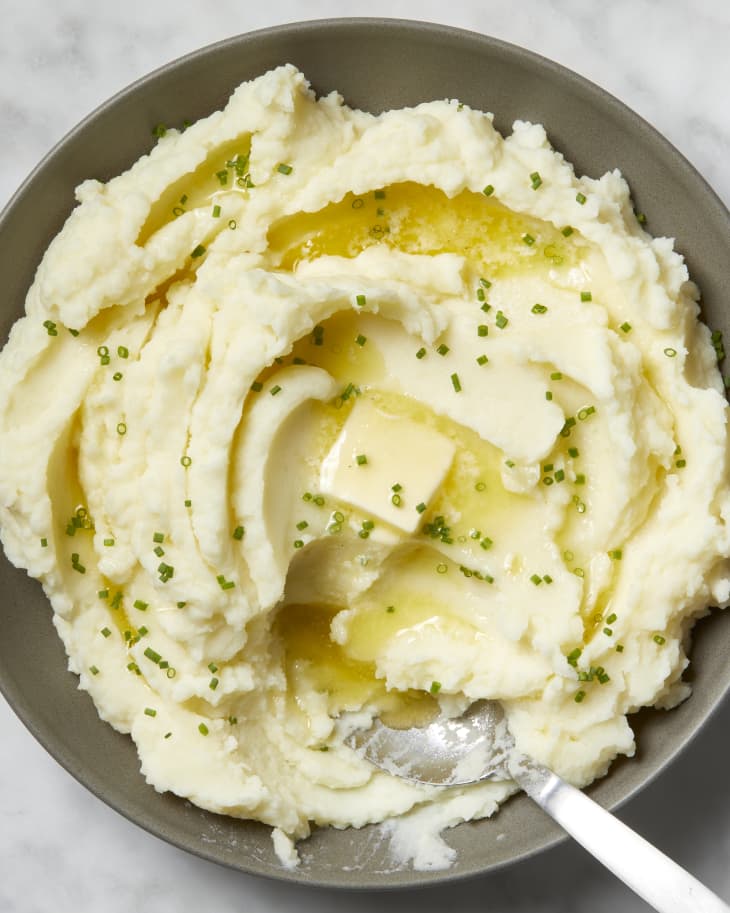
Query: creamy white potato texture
{"points": [[316, 415]]}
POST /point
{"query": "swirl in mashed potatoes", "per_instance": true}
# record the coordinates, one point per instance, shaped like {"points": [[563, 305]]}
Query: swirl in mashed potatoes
{"points": [[317, 415]]}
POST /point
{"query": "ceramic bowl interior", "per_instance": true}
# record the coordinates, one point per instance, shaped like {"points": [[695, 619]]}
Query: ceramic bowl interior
{"points": [[375, 65]]}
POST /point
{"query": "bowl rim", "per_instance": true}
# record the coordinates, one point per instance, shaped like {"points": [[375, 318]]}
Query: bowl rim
{"points": [[15, 698]]}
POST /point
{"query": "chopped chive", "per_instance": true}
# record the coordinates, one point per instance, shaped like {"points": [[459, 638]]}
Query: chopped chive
{"points": [[103, 594], [581, 198], [578, 697], [539, 309], [567, 231], [318, 500], [585, 412], [198, 251], [486, 543], [619, 648], [152, 655], [188, 502], [396, 500], [480, 295], [586, 296], [482, 360], [106, 632], [396, 487], [44, 542], [379, 194], [159, 551], [121, 428], [579, 572], [547, 578], [420, 507], [680, 464], [658, 639], [443, 349], [556, 375], [275, 389], [284, 169], [117, 376], [482, 330], [158, 537], [435, 687], [360, 339], [257, 386], [390, 609], [608, 632], [501, 320], [142, 630], [625, 327], [216, 212], [361, 459], [535, 179], [238, 533], [580, 478], [536, 579], [574, 656], [486, 307], [360, 300], [302, 524], [441, 568], [548, 395], [72, 332], [150, 711], [510, 464], [185, 461], [670, 352], [616, 554], [51, 328], [94, 670], [559, 475], [574, 452], [488, 190], [456, 383], [480, 486], [485, 283], [203, 729], [421, 353], [213, 683], [528, 239]]}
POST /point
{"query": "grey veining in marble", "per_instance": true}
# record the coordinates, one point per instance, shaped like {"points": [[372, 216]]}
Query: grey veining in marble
{"points": [[63, 850]]}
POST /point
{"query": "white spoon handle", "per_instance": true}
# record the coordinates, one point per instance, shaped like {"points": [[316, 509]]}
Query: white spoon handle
{"points": [[646, 870]]}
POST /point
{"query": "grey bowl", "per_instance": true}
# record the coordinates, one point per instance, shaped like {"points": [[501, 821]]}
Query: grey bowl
{"points": [[376, 64]]}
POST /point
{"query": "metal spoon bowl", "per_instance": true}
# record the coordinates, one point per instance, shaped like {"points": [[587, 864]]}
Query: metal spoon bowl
{"points": [[478, 745]]}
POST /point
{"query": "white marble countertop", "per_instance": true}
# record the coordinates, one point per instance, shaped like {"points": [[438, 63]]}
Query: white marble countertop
{"points": [[60, 848]]}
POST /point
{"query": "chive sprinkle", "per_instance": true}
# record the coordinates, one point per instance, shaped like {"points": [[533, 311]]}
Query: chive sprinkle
{"points": [[421, 353], [106, 632], [51, 328], [435, 687], [152, 655], [213, 683], [581, 198], [586, 296], [670, 352], [501, 320], [238, 533], [360, 300], [420, 507], [567, 231], [203, 729], [488, 190], [360, 339], [482, 330], [658, 639], [539, 309], [535, 179], [185, 461], [361, 459], [44, 542], [121, 428], [284, 169], [216, 212], [94, 670], [257, 386], [275, 389], [536, 579], [625, 327], [579, 695], [443, 349], [482, 360], [197, 252], [150, 711], [528, 239], [456, 383]]}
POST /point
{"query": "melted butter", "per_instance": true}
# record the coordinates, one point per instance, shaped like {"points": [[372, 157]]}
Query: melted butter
{"points": [[314, 661], [201, 187], [421, 219]]}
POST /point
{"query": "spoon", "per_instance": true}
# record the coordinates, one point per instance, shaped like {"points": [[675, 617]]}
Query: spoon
{"points": [[478, 745]]}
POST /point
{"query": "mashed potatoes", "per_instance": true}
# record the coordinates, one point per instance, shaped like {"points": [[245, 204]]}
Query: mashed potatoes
{"points": [[317, 415]]}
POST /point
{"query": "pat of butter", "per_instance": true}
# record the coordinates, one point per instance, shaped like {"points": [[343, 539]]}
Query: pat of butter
{"points": [[375, 452]]}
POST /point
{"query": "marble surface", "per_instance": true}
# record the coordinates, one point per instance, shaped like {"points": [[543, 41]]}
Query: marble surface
{"points": [[62, 849]]}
